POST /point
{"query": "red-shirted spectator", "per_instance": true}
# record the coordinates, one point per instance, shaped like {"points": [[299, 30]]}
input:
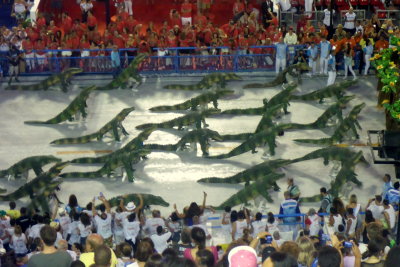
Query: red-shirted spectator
{"points": [[238, 7], [32, 34], [381, 44], [131, 23], [27, 45], [201, 20], [66, 23], [78, 27], [53, 28], [175, 18], [144, 47], [118, 40], [186, 13], [40, 21], [172, 40], [229, 28], [40, 47], [91, 21]]}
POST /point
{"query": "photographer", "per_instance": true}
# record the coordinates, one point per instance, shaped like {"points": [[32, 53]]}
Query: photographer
{"points": [[14, 57]]}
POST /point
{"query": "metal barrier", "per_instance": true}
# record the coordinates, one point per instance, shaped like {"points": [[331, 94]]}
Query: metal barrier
{"points": [[393, 14], [360, 14]]}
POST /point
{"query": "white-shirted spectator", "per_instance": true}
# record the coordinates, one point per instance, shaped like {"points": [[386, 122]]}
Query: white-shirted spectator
{"points": [[313, 222], [85, 227], [376, 207], [19, 241], [103, 221], [258, 225], [73, 230], [350, 21], [327, 16], [152, 223], [160, 239], [131, 228]]}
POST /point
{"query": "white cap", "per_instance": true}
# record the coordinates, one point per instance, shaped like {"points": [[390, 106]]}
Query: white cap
{"points": [[130, 206]]}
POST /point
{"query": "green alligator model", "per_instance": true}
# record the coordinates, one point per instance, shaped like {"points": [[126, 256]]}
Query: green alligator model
{"points": [[281, 98], [341, 154], [194, 102], [266, 137], [62, 78], [336, 89], [349, 123], [252, 174], [123, 159], [201, 136], [207, 82], [148, 200], [122, 80], [256, 188], [35, 187], [77, 105], [192, 118], [112, 126], [135, 144], [35, 163], [281, 78]]}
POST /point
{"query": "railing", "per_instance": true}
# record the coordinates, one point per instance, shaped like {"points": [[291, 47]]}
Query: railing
{"points": [[388, 14], [170, 60]]}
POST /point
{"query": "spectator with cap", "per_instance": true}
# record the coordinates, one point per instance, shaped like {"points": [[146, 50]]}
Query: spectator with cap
{"points": [[49, 256]]}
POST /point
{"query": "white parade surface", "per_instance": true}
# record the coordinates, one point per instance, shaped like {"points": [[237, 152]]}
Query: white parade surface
{"points": [[173, 176]]}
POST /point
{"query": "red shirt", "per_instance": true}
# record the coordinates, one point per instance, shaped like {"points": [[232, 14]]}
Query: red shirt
{"points": [[131, 24], [176, 21], [27, 46], [238, 7], [67, 24], [74, 42], [41, 22], [40, 46], [91, 21], [172, 42], [200, 20], [186, 10], [32, 35], [84, 45], [119, 41]]}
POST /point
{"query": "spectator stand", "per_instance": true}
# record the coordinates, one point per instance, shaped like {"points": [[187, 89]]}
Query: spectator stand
{"points": [[384, 14], [360, 15]]}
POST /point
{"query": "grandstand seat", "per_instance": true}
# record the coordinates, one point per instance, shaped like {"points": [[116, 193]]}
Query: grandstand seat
{"points": [[363, 2], [342, 5], [327, 3], [354, 3], [294, 3], [396, 2]]}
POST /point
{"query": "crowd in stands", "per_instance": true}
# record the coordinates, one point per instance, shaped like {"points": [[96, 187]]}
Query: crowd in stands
{"points": [[354, 42], [127, 235]]}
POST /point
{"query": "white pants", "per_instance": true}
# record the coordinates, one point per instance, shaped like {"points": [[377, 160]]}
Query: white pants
{"points": [[313, 65], [331, 78], [186, 21], [30, 60], [350, 68], [128, 7], [280, 63], [323, 65], [367, 63]]}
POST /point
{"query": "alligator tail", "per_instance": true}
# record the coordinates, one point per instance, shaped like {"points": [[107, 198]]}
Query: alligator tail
{"points": [[322, 141], [146, 125], [161, 147], [183, 87], [316, 198], [77, 140], [212, 180], [182, 106], [88, 160], [254, 85], [78, 175], [235, 137], [36, 122]]}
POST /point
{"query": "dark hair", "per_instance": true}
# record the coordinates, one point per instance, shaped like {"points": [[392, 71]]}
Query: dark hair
{"points": [[102, 208], [333, 211], [396, 185], [48, 234], [369, 217], [22, 209], [350, 211], [78, 246], [193, 210], [258, 216], [375, 246], [378, 198], [174, 217], [281, 259], [77, 263], [271, 218], [159, 229], [234, 216], [102, 255], [341, 228], [329, 257], [388, 176], [228, 209], [199, 237], [169, 254], [205, 258], [132, 217], [144, 250], [241, 215], [12, 205], [73, 201], [393, 257], [323, 190], [85, 219], [125, 249], [154, 260], [385, 202], [89, 206]]}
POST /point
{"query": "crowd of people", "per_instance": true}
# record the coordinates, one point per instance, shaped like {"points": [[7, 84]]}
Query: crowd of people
{"points": [[127, 235], [47, 45]]}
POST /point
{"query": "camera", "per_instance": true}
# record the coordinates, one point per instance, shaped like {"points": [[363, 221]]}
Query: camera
{"points": [[325, 237], [268, 239], [347, 244]]}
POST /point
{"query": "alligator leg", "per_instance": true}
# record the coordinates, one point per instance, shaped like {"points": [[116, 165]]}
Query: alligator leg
{"points": [[204, 146], [38, 170], [123, 130], [115, 133]]}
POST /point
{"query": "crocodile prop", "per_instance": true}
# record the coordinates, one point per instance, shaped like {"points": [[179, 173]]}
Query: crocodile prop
{"points": [[334, 90], [35, 187], [148, 200], [281, 78], [252, 174], [122, 80], [201, 136], [219, 79], [345, 175], [341, 154], [194, 102], [35, 163], [192, 118], [257, 188], [123, 159], [135, 144], [62, 79], [112, 126], [77, 105], [349, 123], [281, 98]]}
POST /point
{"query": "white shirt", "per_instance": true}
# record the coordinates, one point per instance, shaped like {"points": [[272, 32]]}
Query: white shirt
{"points": [[337, 220], [290, 39], [19, 8], [131, 229], [327, 17], [392, 216], [350, 21], [84, 230], [73, 231], [377, 211], [285, 4], [160, 241], [258, 226], [352, 229], [272, 227], [65, 221], [86, 7], [152, 224], [240, 226], [315, 225], [19, 244], [103, 226], [35, 231]]}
